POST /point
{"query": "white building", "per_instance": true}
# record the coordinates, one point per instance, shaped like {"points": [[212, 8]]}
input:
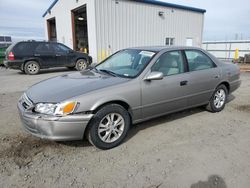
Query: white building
{"points": [[105, 26]]}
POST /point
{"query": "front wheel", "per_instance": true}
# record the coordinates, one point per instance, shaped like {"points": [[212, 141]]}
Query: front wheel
{"points": [[81, 64], [218, 100], [109, 127]]}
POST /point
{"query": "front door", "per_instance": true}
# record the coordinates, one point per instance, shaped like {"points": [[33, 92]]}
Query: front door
{"points": [[62, 54], [169, 94]]}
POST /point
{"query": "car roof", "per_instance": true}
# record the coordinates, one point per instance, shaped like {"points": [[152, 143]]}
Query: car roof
{"points": [[35, 41], [161, 48]]}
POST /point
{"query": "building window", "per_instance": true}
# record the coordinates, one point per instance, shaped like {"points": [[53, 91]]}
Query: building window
{"points": [[170, 41]]}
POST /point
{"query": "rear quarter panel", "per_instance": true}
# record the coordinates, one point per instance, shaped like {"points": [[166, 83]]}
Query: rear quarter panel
{"points": [[231, 74]]}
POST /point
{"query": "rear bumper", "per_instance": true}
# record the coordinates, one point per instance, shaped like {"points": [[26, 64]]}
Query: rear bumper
{"points": [[70, 127], [13, 64]]}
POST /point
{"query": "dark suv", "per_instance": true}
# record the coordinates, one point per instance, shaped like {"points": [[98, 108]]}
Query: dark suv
{"points": [[31, 56]]}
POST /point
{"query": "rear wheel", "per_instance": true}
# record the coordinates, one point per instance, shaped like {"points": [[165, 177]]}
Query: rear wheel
{"points": [[109, 127], [31, 67], [218, 100], [81, 64]]}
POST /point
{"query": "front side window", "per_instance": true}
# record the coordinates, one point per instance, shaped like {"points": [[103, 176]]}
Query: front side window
{"points": [[126, 63], [198, 60], [170, 63], [60, 48]]}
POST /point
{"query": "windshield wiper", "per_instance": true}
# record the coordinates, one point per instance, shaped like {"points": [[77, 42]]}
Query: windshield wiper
{"points": [[108, 72]]}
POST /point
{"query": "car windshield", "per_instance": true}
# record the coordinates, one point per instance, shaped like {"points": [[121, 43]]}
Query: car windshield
{"points": [[126, 63]]}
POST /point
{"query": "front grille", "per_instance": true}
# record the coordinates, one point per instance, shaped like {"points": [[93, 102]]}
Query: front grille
{"points": [[26, 102]]}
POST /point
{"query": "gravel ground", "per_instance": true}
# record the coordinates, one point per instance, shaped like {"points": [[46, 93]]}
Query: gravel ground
{"points": [[193, 148]]}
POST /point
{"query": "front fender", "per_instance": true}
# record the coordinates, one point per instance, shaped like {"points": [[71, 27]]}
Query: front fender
{"points": [[106, 100]]}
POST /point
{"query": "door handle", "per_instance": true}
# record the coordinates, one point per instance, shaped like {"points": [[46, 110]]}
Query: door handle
{"points": [[57, 55], [183, 83], [37, 55]]}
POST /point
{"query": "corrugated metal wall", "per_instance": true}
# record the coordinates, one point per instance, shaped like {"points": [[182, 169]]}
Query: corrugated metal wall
{"points": [[122, 23]]}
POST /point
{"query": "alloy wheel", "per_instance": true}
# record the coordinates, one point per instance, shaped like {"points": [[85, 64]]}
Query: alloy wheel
{"points": [[111, 127], [219, 98]]}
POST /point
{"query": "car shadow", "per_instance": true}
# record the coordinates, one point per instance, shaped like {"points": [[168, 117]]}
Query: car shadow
{"points": [[141, 126], [78, 143], [160, 120], [150, 123], [230, 98], [214, 181], [168, 118]]}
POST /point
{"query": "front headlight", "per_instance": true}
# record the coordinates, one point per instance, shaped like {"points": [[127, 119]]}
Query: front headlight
{"points": [[59, 109]]}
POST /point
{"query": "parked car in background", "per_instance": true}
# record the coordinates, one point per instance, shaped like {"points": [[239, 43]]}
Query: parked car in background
{"points": [[131, 86], [31, 56], [2, 56], [5, 42]]}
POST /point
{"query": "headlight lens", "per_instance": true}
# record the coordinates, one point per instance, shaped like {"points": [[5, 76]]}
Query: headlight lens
{"points": [[56, 109]]}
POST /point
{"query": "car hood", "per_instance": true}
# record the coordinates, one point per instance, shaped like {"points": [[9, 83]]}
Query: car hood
{"points": [[64, 87]]}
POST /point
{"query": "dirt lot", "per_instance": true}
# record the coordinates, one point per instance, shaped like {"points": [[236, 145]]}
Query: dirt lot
{"points": [[193, 148]]}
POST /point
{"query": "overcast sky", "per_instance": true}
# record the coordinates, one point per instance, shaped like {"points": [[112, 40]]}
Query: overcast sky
{"points": [[22, 19]]}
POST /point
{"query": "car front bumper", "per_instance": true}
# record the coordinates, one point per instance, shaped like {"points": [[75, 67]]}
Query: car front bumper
{"points": [[70, 127]]}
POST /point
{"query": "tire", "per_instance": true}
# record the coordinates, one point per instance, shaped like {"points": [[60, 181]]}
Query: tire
{"points": [[218, 99], [105, 134], [31, 67], [81, 64]]}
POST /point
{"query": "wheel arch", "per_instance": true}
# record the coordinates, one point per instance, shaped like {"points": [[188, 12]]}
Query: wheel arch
{"points": [[98, 107], [225, 83], [122, 103], [84, 58], [27, 60]]}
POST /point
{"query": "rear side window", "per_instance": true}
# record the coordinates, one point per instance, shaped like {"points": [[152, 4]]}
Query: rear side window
{"points": [[198, 60], [43, 48], [24, 47]]}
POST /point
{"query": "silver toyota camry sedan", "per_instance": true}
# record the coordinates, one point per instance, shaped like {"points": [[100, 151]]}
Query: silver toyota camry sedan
{"points": [[131, 86]]}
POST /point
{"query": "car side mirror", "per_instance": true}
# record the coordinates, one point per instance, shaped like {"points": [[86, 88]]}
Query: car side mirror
{"points": [[154, 76]]}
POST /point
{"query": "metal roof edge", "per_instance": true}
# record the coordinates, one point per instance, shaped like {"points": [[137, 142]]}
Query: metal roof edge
{"points": [[50, 7], [154, 2], [161, 3]]}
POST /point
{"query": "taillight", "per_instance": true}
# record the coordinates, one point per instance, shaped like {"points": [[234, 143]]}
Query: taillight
{"points": [[11, 56]]}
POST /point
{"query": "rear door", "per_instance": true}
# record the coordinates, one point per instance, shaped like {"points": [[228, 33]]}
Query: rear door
{"points": [[204, 77], [169, 94], [45, 54], [62, 54]]}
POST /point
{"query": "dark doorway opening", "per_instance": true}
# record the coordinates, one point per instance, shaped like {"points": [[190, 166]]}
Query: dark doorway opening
{"points": [[80, 29], [51, 25]]}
